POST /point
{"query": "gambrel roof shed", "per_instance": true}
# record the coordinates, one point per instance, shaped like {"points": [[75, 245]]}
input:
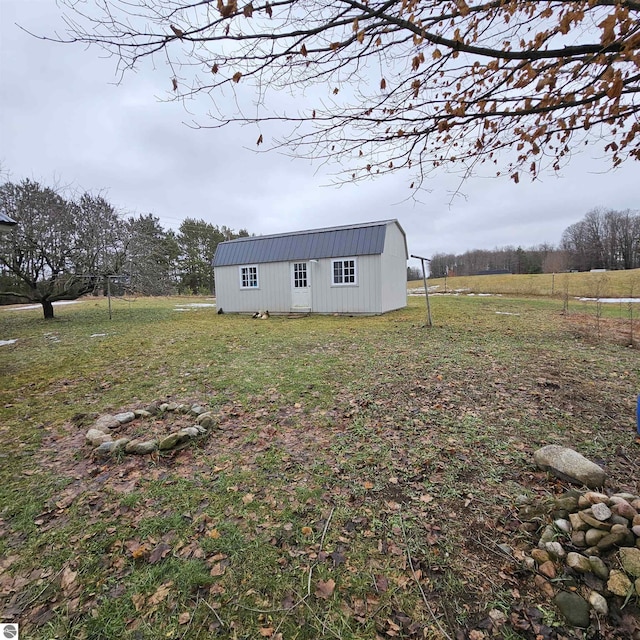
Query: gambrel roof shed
{"points": [[359, 268]]}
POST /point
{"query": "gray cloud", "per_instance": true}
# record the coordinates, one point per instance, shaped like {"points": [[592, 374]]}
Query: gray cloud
{"points": [[63, 116]]}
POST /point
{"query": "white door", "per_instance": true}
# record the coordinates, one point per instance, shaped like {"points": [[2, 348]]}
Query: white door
{"points": [[300, 287]]}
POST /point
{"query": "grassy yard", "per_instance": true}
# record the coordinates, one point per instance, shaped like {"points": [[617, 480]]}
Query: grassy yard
{"points": [[362, 473], [609, 284]]}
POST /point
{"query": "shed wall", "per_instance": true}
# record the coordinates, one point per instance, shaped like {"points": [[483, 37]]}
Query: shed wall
{"points": [[393, 263], [364, 297], [273, 292]]}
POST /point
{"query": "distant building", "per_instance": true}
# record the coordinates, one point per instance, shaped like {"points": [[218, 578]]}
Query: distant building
{"points": [[360, 268], [6, 222], [493, 272]]}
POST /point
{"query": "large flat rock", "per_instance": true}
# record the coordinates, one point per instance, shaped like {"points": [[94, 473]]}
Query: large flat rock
{"points": [[569, 465]]}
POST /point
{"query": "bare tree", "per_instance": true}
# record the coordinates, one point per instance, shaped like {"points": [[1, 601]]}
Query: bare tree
{"points": [[59, 249], [604, 239], [382, 85]]}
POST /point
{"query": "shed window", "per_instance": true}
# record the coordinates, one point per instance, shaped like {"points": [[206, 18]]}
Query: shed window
{"points": [[249, 277], [300, 280], [344, 271]]}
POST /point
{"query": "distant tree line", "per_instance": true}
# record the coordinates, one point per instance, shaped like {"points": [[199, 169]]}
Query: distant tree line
{"points": [[604, 239], [65, 246]]}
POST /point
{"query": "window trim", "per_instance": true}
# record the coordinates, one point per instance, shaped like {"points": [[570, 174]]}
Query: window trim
{"points": [[248, 267], [355, 272]]}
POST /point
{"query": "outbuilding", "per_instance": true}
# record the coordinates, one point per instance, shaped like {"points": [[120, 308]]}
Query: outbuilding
{"points": [[360, 268]]}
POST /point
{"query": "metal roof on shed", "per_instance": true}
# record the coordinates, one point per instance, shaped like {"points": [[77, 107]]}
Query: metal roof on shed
{"points": [[5, 219], [332, 242]]}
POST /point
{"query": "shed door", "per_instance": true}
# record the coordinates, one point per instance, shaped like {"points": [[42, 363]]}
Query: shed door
{"points": [[300, 287]]}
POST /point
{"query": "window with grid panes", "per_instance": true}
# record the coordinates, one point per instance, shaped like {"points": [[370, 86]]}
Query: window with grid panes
{"points": [[249, 277], [300, 275], [344, 271]]}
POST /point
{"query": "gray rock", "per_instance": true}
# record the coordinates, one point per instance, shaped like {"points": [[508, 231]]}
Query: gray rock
{"points": [[629, 497], [96, 437], [574, 608], [619, 583], [206, 420], [196, 409], [567, 502], [577, 523], [124, 418], [637, 586], [140, 447], [201, 430], [191, 432], [616, 519], [106, 422], [548, 535], [569, 465], [612, 540], [630, 560], [593, 536], [599, 603], [593, 522], [170, 441], [555, 549], [598, 567], [563, 525], [172, 406], [636, 530], [142, 413], [601, 512], [578, 562], [121, 443], [107, 449], [578, 539], [629, 538]]}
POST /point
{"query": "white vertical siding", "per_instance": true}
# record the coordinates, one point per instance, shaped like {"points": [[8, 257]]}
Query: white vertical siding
{"points": [[394, 270], [363, 297], [273, 292]]}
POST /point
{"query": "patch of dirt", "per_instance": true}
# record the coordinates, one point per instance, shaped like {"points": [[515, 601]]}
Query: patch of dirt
{"points": [[617, 331]]}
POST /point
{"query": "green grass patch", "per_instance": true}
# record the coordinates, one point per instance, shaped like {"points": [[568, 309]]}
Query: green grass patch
{"points": [[348, 451]]}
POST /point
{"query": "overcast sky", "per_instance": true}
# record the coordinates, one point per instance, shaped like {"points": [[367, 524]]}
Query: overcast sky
{"points": [[64, 119]]}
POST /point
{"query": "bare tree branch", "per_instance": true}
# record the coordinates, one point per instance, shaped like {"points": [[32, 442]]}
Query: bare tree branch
{"points": [[411, 84]]}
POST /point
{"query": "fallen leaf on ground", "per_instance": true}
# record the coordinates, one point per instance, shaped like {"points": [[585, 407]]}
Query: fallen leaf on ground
{"points": [[138, 600], [325, 589], [161, 593], [218, 569], [159, 552], [68, 578]]}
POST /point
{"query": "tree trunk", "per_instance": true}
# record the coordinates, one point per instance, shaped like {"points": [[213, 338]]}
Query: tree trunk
{"points": [[47, 308]]}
